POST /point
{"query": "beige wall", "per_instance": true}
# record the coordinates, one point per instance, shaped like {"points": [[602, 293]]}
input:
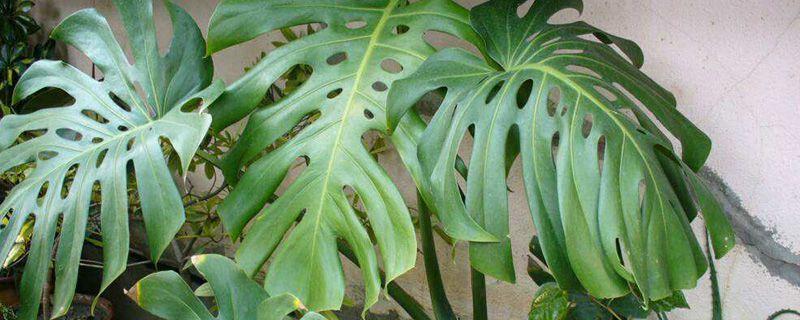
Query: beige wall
{"points": [[733, 65]]}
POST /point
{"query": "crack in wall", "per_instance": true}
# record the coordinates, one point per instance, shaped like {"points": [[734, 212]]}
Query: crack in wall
{"points": [[757, 238]]}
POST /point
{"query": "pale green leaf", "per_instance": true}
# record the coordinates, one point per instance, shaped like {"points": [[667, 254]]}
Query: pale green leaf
{"points": [[93, 141], [348, 87], [166, 295]]}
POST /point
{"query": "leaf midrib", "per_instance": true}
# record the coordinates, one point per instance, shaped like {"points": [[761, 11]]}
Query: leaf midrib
{"points": [[373, 39]]}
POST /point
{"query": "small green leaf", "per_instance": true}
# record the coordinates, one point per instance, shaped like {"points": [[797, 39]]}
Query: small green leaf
{"points": [[204, 290], [550, 303], [164, 294], [539, 275], [676, 301]]}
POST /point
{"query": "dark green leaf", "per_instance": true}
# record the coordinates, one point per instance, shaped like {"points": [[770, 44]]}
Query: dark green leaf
{"points": [[550, 303], [606, 211], [539, 275]]}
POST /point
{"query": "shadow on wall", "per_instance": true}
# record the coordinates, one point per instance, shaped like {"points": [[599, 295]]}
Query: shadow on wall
{"points": [[760, 242]]}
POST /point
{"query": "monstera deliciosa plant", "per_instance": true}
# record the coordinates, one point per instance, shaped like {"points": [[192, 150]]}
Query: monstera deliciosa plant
{"points": [[90, 146], [609, 196]]}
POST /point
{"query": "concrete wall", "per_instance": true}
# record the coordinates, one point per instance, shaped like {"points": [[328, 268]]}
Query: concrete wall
{"points": [[733, 65]]}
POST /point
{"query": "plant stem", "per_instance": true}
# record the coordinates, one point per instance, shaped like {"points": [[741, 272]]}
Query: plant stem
{"points": [[479, 309], [405, 300], [176, 250], [775, 315], [716, 301], [209, 158], [441, 306], [208, 196]]}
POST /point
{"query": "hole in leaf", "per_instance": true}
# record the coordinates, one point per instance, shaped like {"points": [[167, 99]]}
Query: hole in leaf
{"points": [[336, 58], [642, 193], [351, 196], [587, 125], [550, 41], [564, 110], [522, 9], [43, 190], [129, 146], [192, 105], [554, 147], [97, 140], [524, 93], [69, 134], [130, 167], [564, 16], [119, 102], [357, 24], [46, 155], [69, 177], [100, 157], [531, 37], [94, 116], [296, 168], [567, 51], [122, 128], [391, 66], [601, 153], [334, 93], [606, 93], [511, 149], [96, 194], [30, 134], [621, 252], [628, 95], [400, 29], [493, 92], [48, 97], [628, 113], [553, 99], [441, 40], [465, 153], [379, 86], [584, 70], [368, 114]]}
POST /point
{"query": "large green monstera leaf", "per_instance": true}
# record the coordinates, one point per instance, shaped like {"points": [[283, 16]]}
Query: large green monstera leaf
{"points": [[610, 200], [91, 143], [238, 297], [348, 88]]}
